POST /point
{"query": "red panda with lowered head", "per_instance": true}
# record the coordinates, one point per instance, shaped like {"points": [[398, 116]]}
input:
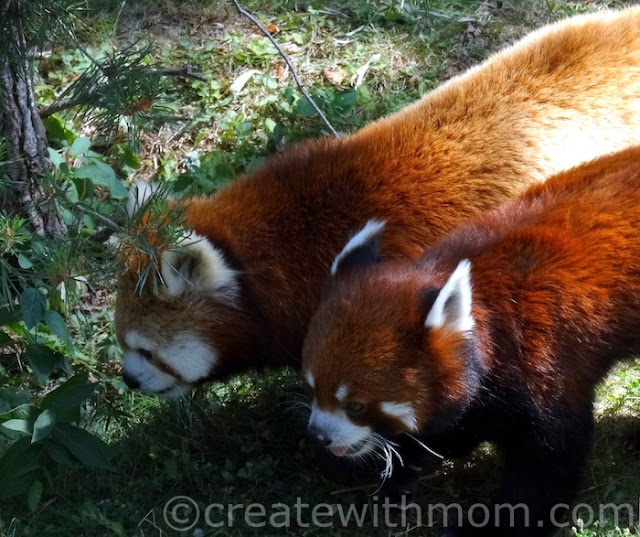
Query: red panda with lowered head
{"points": [[239, 291], [500, 332]]}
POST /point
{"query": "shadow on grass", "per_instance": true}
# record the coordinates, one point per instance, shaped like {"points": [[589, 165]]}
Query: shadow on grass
{"points": [[243, 443]]}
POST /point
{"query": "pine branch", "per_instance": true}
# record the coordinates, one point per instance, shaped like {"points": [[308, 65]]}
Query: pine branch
{"points": [[186, 71], [288, 61], [63, 104]]}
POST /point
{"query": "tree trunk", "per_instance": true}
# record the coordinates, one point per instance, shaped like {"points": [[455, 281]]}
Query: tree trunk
{"points": [[25, 136]]}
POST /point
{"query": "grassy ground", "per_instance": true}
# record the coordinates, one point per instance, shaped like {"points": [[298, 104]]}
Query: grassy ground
{"points": [[243, 441]]}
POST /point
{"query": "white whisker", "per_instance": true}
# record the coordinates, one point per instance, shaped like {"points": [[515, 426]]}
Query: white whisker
{"points": [[427, 448], [389, 450]]}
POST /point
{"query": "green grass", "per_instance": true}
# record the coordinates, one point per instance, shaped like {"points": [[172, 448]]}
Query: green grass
{"points": [[243, 441]]}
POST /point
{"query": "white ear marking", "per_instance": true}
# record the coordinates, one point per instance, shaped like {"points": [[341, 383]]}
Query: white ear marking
{"points": [[371, 228], [452, 307], [140, 192], [403, 411], [196, 264]]}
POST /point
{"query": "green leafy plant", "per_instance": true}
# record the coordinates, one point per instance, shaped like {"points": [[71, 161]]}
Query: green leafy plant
{"points": [[42, 279], [47, 435]]}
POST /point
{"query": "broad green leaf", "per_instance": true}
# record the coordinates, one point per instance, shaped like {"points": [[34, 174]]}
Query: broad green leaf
{"points": [[71, 192], [24, 262], [33, 306], [19, 425], [57, 325], [21, 412], [58, 453], [55, 157], [57, 131], [83, 187], [88, 222], [270, 124], [35, 495], [17, 486], [18, 459], [44, 361], [70, 395], [88, 449], [127, 158], [43, 425], [21, 460], [345, 101], [80, 146], [58, 297], [304, 108], [103, 175]]}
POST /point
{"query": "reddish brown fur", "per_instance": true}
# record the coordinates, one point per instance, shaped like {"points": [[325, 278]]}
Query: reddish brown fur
{"points": [[559, 98], [560, 263], [556, 301]]}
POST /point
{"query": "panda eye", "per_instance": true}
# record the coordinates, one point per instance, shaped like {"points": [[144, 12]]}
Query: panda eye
{"points": [[354, 408], [145, 354]]}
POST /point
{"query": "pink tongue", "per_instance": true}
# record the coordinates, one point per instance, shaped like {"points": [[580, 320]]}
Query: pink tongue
{"points": [[339, 451]]}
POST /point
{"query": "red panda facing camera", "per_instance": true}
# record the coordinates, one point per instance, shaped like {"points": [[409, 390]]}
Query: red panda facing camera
{"points": [[238, 292], [500, 332]]}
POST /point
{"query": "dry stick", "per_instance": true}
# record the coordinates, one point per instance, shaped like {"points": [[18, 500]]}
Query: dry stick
{"points": [[286, 58], [105, 219]]}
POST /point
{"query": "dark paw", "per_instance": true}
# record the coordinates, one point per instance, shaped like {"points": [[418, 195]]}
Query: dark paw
{"points": [[399, 490]]}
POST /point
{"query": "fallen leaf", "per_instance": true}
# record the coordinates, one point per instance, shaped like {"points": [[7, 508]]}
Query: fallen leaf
{"points": [[281, 72], [290, 48], [242, 80], [334, 78], [358, 78], [397, 62]]}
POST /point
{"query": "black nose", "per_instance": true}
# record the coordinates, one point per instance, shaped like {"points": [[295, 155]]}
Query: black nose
{"points": [[130, 381], [317, 436]]}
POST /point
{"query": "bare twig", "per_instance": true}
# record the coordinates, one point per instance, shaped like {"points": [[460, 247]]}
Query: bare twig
{"points": [[287, 60], [107, 221], [186, 71], [40, 55], [62, 104]]}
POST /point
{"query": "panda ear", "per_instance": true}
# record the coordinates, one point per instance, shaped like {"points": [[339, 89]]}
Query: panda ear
{"points": [[451, 308], [196, 265], [140, 192], [363, 248]]}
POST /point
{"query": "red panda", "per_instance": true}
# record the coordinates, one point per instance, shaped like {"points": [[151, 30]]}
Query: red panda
{"points": [[239, 291], [500, 332]]}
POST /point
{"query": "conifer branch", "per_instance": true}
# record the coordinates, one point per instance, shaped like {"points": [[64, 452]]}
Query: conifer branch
{"points": [[289, 63], [186, 71]]}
